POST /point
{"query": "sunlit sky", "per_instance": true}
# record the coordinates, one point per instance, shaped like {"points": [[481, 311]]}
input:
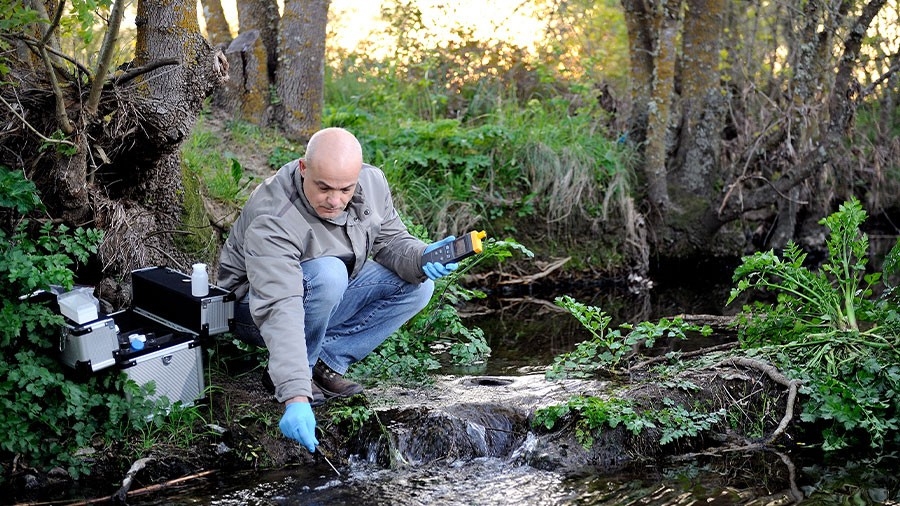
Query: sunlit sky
{"points": [[352, 21]]}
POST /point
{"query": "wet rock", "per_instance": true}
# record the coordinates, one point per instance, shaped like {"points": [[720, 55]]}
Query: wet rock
{"points": [[463, 418], [57, 475]]}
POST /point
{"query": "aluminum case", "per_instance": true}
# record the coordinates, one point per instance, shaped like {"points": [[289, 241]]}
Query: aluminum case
{"points": [[89, 347], [171, 359], [164, 294]]}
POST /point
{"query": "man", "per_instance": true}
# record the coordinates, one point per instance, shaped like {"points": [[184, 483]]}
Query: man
{"points": [[323, 271]]}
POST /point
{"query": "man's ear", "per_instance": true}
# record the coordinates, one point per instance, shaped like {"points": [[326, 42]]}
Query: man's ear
{"points": [[302, 167]]}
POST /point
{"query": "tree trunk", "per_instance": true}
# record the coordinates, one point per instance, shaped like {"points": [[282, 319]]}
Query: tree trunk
{"points": [[301, 71], [641, 47], [786, 139], [168, 100], [262, 15], [660, 107], [217, 30], [246, 94], [702, 103]]}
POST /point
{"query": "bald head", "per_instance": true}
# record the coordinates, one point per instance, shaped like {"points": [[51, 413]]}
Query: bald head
{"points": [[334, 147], [330, 170]]}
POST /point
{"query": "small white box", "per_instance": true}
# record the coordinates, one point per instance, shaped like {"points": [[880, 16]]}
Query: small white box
{"points": [[77, 306]]}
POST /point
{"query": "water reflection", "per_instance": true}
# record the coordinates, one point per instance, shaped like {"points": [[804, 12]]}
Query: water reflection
{"points": [[745, 478]]}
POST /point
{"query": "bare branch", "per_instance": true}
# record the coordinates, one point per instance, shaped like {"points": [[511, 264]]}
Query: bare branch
{"points": [[61, 115], [106, 53], [884, 77], [134, 72], [27, 124], [35, 46], [53, 24]]}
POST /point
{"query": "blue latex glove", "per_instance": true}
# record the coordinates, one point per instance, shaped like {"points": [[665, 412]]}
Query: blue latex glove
{"points": [[435, 270], [299, 424]]}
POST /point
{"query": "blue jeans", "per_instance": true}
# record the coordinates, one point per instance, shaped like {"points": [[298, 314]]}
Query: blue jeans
{"points": [[345, 318]]}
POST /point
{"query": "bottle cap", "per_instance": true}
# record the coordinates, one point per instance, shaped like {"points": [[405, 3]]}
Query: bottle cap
{"points": [[137, 341]]}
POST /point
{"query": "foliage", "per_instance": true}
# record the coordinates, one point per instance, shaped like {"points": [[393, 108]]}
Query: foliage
{"points": [[412, 352], [46, 417], [170, 424], [608, 350], [829, 329], [198, 238], [592, 414], [355, 416], [207, 156], [476, 148]]}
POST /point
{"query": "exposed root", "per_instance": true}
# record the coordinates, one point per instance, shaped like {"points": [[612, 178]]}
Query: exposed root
{"points": [[526, 280], [688, 354], [775, 375], [122, 493]]}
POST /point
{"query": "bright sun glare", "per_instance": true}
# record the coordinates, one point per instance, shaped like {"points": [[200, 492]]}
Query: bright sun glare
{"points": [[355, 21]]}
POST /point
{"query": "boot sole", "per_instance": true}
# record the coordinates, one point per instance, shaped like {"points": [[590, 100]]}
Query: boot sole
{"points": [[330, 395]]}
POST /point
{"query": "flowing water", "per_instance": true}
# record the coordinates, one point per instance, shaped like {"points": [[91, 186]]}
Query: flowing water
{"points": [[525, 332]]}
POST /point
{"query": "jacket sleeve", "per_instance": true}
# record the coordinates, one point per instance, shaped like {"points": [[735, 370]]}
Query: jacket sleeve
{"points": [[395, 248], [273, 250]]}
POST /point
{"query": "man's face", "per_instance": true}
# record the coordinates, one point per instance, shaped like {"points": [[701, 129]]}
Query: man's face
{"points": [[329, 187]]}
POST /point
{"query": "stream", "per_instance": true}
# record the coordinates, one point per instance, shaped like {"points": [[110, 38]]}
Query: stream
{"points": [[525, 332]]}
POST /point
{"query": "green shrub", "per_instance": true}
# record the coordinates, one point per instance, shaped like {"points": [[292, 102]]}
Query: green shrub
{"points": [[609, 349], [829, 329], [45, 417]]}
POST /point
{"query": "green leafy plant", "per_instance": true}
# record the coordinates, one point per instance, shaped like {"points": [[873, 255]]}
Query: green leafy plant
{"points": [[591, 414], [354, 416], [829, 329], [171, 425], [608, 349]]}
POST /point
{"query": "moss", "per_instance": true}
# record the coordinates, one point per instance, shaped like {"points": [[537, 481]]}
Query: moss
{"points": [[198, 239]]}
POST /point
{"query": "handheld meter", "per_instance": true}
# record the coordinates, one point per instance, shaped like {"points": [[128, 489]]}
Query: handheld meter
{"points": [[463, 247]]}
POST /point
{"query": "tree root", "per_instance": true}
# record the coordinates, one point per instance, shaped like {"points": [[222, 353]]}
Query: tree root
{"points": [[775, 375], [684, 355]]}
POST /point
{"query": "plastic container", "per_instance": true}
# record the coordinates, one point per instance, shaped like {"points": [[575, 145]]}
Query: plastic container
{"points": [[199, 281], [78, 306]]}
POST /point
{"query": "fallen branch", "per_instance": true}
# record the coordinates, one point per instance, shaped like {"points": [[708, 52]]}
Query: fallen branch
{"points": [[159, 486], [534, 277], [141, 491]]}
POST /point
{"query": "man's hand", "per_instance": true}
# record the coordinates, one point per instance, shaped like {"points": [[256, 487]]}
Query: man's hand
{"points": [[435, 270], [299, 424]]}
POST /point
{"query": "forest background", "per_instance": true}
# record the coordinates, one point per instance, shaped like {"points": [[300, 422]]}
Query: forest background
{"points": [[626, 137]]}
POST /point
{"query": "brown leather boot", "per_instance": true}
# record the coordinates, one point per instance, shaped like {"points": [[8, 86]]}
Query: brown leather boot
{"points": [[318, 398], [333, 384]]}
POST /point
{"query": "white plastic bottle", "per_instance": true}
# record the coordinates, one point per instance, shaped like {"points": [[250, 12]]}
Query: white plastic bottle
{"points": [[199, 281]]}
